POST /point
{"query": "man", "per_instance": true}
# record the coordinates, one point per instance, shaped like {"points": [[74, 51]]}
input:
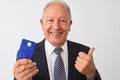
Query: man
{"points": [[77, 58]]}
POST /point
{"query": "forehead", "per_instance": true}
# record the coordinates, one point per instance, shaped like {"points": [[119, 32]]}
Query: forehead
{"points": [[56, 8], [55, 4]]}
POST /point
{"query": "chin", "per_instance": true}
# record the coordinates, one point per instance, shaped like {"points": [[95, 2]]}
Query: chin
{"points": [[57, 43]]}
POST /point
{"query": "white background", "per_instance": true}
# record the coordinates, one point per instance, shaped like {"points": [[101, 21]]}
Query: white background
{"points": [[96, 23]]}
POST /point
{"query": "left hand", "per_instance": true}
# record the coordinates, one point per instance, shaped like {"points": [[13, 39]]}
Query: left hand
{"points": [[85, 64]]}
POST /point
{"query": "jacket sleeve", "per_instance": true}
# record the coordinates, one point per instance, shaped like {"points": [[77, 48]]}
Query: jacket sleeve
{"points": [[97, 77]]}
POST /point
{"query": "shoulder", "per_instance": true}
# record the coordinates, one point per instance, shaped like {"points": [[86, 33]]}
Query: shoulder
{"points": [[77, 46], [41, 43], [71, 43]]}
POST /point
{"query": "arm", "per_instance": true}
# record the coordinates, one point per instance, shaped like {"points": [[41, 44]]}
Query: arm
{"points": [[97, 76]]}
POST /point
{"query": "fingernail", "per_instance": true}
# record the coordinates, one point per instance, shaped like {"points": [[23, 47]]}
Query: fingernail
{"points": [[30, 61], [37, 70], [34, 63]]}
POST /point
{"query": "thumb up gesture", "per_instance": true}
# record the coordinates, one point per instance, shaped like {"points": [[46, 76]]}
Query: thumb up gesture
{"points": [[85, 64]]}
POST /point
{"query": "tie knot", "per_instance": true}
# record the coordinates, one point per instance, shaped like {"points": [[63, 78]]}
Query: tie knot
{"points": [[58, 51]]}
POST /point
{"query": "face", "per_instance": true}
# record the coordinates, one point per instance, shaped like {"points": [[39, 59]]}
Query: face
{"points": [[56, 24]]}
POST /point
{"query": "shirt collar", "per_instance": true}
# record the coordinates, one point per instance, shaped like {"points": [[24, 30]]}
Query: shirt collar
{"points": [[49, 48]]}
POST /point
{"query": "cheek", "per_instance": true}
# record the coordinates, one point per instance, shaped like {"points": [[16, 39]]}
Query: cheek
{"points": [[46, 30], [45, 27], [67, 29], [66, 32]]}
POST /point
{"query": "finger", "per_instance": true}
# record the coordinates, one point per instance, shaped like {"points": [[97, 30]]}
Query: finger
{"points": [[25, 67], [79, 67], [26, 72], [22, 62], [31, 74], [26, 75], [81, 60], [90, 53], [82, 54]]}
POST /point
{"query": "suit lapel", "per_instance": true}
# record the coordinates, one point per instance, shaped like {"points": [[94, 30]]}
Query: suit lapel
{"points": [[73, 50], [40, 58], [71, 61]]}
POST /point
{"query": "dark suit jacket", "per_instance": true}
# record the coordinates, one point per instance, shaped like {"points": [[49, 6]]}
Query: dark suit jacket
{"points": [[39, 57]]}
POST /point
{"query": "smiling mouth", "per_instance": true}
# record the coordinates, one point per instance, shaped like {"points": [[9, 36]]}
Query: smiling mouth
{"points": [[56, 33]]}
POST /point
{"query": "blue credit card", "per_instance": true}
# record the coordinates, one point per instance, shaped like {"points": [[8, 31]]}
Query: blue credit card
{"points": [[26, 49]]}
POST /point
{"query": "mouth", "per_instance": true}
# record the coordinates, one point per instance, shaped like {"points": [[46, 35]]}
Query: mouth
{"points": [[56, 34]]}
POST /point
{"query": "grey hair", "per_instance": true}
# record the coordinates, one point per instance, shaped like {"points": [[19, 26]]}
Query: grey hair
{"points": [[61, 3]]}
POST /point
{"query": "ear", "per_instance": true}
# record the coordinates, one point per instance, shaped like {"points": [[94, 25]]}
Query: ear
{"points": [[70, 25], [41, 22]]}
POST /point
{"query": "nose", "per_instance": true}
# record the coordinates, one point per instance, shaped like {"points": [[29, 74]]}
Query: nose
{"points": [[56, 25]]}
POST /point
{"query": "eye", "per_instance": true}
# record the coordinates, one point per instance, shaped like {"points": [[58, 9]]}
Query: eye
{"points": [[50, 20], [62, 20]]}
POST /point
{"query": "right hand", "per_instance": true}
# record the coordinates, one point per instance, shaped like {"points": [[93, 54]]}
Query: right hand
{"points": [[24, 69]]}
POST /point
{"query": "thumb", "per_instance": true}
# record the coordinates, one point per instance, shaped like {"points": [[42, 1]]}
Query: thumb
{"points": [[91, 50]]}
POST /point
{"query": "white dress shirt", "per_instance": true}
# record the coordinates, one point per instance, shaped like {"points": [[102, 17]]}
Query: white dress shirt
{"points": [[51, 56]]}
